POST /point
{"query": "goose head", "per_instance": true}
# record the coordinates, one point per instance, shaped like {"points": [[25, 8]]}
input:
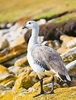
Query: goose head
{"points": [[31, 25]]}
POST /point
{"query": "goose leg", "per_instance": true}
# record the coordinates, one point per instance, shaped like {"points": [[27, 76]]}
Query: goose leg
{"points": [[41, 88], [52, 90]]}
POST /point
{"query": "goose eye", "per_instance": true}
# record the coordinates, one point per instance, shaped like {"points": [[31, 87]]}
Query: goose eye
{"points": [[29, 22]]}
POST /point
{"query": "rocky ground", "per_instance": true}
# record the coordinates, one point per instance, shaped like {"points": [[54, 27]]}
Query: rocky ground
{"points": [[17, 80]]}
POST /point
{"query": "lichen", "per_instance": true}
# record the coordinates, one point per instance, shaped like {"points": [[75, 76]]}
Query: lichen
{"points": [[59, 94]]}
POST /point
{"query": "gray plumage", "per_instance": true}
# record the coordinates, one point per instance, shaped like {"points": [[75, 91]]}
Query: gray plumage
{"points": [[50, 57]]}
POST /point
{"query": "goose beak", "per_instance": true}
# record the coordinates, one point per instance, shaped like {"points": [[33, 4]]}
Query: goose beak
{"points": [[24, 27]]}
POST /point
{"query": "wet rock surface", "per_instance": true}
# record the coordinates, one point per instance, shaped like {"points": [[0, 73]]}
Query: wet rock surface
{"points": [[18, 79]]}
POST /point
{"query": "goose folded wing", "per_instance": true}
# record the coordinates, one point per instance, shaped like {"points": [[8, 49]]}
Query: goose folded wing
{"points": [[48, 58]]}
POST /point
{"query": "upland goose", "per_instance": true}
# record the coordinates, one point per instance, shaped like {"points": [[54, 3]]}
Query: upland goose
{"points": [[44, 59]]}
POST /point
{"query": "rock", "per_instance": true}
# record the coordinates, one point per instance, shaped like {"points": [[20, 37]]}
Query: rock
{"points": [[25, 79], [13, 32], [69, 52], [18, 41], [71, 65], [71, 43], [46, 84], [69, 58], [72, 73], [4, 72], [11, 62], [6, 78], [3, 43], [62, 50], [53, 44], [10, 53], [41, 21], [65, 39], [60, 94], [40, 39], [4, 88], [16, 70], [21, 62], [9, 81]]}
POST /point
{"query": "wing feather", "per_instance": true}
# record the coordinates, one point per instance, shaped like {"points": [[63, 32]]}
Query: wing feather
{"points": [[51, 58]]}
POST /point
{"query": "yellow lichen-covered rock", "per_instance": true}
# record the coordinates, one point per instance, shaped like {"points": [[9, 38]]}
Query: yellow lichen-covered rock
{"points": [[69, 58], [53, 44], [21, 62], [6, 79], [46, 84], [4, 72], [72, 72], [9, 81], [12, 52], [16, 70], [59, 94], [25, 79], [12, 61]]}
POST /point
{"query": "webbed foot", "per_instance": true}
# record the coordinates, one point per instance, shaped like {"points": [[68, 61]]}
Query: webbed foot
{"points": [[42, 92]]}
